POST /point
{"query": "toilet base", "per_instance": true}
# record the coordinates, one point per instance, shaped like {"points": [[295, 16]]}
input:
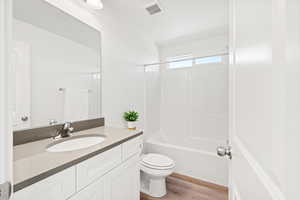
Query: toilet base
{"points": [[153, 186]]}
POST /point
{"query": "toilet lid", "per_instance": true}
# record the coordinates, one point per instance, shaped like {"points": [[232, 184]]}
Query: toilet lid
{"points": [[157, 160]]}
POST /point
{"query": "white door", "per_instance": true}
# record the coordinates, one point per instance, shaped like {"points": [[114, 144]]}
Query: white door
{"points": [[21, 67], [264, 99], [123, 183], [5, 101]]}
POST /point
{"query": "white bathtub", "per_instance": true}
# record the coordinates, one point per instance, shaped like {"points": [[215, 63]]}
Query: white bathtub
{"points": [[204, 165]]}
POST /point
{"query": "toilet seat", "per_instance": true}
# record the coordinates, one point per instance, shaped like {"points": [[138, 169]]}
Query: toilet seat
{"points": [[157, 161]]}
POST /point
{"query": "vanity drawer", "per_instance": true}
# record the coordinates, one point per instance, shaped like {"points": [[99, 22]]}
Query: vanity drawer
{"points": [[132, 147], [95, 167], [59, 187]]}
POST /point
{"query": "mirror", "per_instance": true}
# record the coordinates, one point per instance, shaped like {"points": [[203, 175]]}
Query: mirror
{"points": [[57, 65]]}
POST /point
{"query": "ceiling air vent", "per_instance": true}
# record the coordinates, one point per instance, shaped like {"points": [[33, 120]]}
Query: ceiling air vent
{"points": [[154, 8]]}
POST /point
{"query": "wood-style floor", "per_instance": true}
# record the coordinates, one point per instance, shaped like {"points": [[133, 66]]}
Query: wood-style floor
{"points": [[181, 188]]}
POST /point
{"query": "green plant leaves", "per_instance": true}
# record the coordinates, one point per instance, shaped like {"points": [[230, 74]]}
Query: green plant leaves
{"points": [[131, 116]]}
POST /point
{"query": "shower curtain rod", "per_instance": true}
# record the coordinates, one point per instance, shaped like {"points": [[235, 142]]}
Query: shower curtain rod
{"points": [[180, 60]]}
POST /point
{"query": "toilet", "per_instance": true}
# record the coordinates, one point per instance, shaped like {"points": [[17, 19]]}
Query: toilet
{"points": [[154, 170]]}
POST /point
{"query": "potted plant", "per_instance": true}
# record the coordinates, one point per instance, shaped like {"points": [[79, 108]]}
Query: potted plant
{"points": [[131, 117]]}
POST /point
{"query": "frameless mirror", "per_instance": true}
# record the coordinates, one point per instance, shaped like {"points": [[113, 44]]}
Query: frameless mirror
{"points": [[57, 65]]}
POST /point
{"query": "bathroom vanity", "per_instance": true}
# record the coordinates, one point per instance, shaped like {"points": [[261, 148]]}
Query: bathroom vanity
{"points": [[108, 170]]}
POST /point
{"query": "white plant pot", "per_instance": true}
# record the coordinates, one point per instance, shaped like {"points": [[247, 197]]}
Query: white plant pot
{"points": [[131, 125]]}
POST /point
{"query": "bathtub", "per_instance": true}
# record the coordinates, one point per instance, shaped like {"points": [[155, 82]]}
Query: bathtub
{"points": [[191, 161]]}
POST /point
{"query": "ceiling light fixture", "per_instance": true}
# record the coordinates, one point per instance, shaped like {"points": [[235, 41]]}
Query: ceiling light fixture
{"points": [[94, 4]]}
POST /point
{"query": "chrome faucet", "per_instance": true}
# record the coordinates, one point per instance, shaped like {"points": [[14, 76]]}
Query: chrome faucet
{"points": [[65, 131]]}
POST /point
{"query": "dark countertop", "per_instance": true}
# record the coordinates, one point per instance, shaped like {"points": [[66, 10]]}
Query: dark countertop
{"points": [[33, 163]]}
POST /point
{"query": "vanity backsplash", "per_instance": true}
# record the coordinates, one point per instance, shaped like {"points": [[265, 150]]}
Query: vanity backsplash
{"points": [[40, 133]]}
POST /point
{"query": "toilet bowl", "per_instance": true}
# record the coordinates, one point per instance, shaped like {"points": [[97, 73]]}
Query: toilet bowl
{"points": [[154, 170]]}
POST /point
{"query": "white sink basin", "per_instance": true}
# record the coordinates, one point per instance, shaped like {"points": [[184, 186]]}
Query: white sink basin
{"points": [[75, 143]]}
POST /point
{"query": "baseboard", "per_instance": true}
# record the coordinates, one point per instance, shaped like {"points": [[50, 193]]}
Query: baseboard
{"points": [[200, 182]]}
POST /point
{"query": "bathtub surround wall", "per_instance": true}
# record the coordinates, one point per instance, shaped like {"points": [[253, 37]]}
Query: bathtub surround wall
{"points": [[193, 112], [152, 101]]}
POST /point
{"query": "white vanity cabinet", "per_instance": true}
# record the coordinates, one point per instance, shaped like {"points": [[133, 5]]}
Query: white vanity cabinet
{"points": [[111, 175], [95, 191], [123, 183], [57, 187], [95, 167]]}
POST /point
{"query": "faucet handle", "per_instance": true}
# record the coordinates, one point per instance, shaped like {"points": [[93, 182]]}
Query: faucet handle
{"points": [[65, 131], [71, 129], [67, 125]]}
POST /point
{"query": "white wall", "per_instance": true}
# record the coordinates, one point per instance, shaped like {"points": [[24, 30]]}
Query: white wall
{"points": [[57, 62], [124, 51], [203, 44]]}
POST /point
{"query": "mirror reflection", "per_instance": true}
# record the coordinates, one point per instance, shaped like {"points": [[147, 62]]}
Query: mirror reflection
{"points": [[57, 63]]}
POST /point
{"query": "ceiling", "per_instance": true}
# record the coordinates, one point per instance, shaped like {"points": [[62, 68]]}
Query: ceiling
{"points": [[180, 18]]}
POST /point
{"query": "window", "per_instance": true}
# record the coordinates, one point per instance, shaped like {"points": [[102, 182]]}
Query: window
{"points": [[152, 68], [207, 60], [188, 61], [180, 62]]}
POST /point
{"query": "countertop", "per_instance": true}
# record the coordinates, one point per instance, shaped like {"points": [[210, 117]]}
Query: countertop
{"points": [[33, 163]]}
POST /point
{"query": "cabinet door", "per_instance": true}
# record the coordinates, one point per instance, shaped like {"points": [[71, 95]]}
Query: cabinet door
{"points": [[95, 191], [57, 187], [95, 167], [132, 147], [123, 183]]}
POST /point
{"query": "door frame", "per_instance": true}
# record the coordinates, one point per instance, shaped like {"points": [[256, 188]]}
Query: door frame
{"points": [[231, 90], [6, 106]]}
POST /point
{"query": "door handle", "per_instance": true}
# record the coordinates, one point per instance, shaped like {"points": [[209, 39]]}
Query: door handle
{"points": [[24, 118], [224, 151]]}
